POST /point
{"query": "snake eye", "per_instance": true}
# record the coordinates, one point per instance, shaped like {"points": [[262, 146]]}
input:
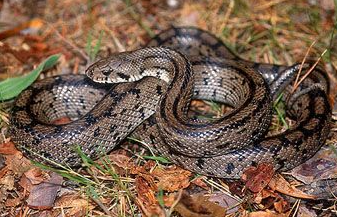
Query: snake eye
{"points": [[106, 72]]}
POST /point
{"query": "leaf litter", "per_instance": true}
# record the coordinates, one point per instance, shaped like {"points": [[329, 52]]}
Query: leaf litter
{"points": [[124, 183]]}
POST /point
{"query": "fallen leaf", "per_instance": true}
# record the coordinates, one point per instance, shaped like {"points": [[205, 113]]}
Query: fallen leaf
{"points": [[7, 182], [74, 205], [35, 23], [169, 199], [17, 163], [236, 187], [281, 206], [122, 163], [278, 183], [43, 195], [152, 210], [35, 175], [13, 202], [26, 184], [8, 148], [225, 200], [322, 166], [146, 188], [257, 178], [198, 205], [305, 212], [146, 198], [172, 178], [264, 214], [200, 182]]}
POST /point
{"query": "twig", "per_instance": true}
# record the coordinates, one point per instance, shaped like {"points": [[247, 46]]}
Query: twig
{"points": [[228, 13], [309, 71], [301, 66], [118, 45], [104, 208], [176, 201], [137, 18], [73, 46]]}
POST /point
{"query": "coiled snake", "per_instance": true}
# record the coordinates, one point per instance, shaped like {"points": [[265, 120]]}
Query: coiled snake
{"points": [[151, 99]]}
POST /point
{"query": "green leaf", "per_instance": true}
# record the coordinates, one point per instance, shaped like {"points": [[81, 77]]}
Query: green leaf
{"points": [[12, 87], [157, 158]]}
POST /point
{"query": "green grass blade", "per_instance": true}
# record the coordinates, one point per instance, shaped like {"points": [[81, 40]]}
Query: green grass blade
{"points": [[157, 158], [97, 47], [12, 87]]}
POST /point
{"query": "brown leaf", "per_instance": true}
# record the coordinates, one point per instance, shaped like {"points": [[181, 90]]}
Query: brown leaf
{"points": [[172, 178], [43, 195], [35, 175], [26, 184], [320, 167], [268, 199], [198, 205], [278, 183], [17, 163], [7, 182], [13, 202], [35, 23], [169, 199], [265, 214], [224, 200], [76, 205], [3, 172], [200, 182], [152, 210], [146, 188], [8, 148], [146, 199], [122, 163], [257, 178], [281, 206]]}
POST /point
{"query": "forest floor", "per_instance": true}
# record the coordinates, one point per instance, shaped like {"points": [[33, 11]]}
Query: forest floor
{"points": [[136, 182]]}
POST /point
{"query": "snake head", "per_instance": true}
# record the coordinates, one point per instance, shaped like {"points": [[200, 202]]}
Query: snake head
{"points": [[114, 69]]}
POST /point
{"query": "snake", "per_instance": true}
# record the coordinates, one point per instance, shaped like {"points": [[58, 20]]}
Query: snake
{"points": [[146, 93]]}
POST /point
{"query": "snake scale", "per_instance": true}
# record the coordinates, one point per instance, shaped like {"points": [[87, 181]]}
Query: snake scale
{"points": [[150, 97]]}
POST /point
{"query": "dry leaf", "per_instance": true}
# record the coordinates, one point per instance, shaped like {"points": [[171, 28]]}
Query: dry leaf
{"points": [[3, 172], [281, 206], [198, 205], [17, 163], [8, 148], [264, 214], [257, 178], [35, 175], [35, 23], [26, 184], [7, 182], [224, 200], [322, 166], [74, 205], [200, 182], [172, 178], [278, 183], [13, 202], [43, 195]]}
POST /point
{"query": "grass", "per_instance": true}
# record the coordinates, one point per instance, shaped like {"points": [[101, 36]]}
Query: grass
{"points": [[279, 109], [99, 181], [91, 50]]}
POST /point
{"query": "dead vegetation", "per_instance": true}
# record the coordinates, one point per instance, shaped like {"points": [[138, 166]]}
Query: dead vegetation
{"points": [[131, 181]]}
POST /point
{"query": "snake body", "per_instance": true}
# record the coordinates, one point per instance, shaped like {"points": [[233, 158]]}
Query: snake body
{"points": [[155, 86]]}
